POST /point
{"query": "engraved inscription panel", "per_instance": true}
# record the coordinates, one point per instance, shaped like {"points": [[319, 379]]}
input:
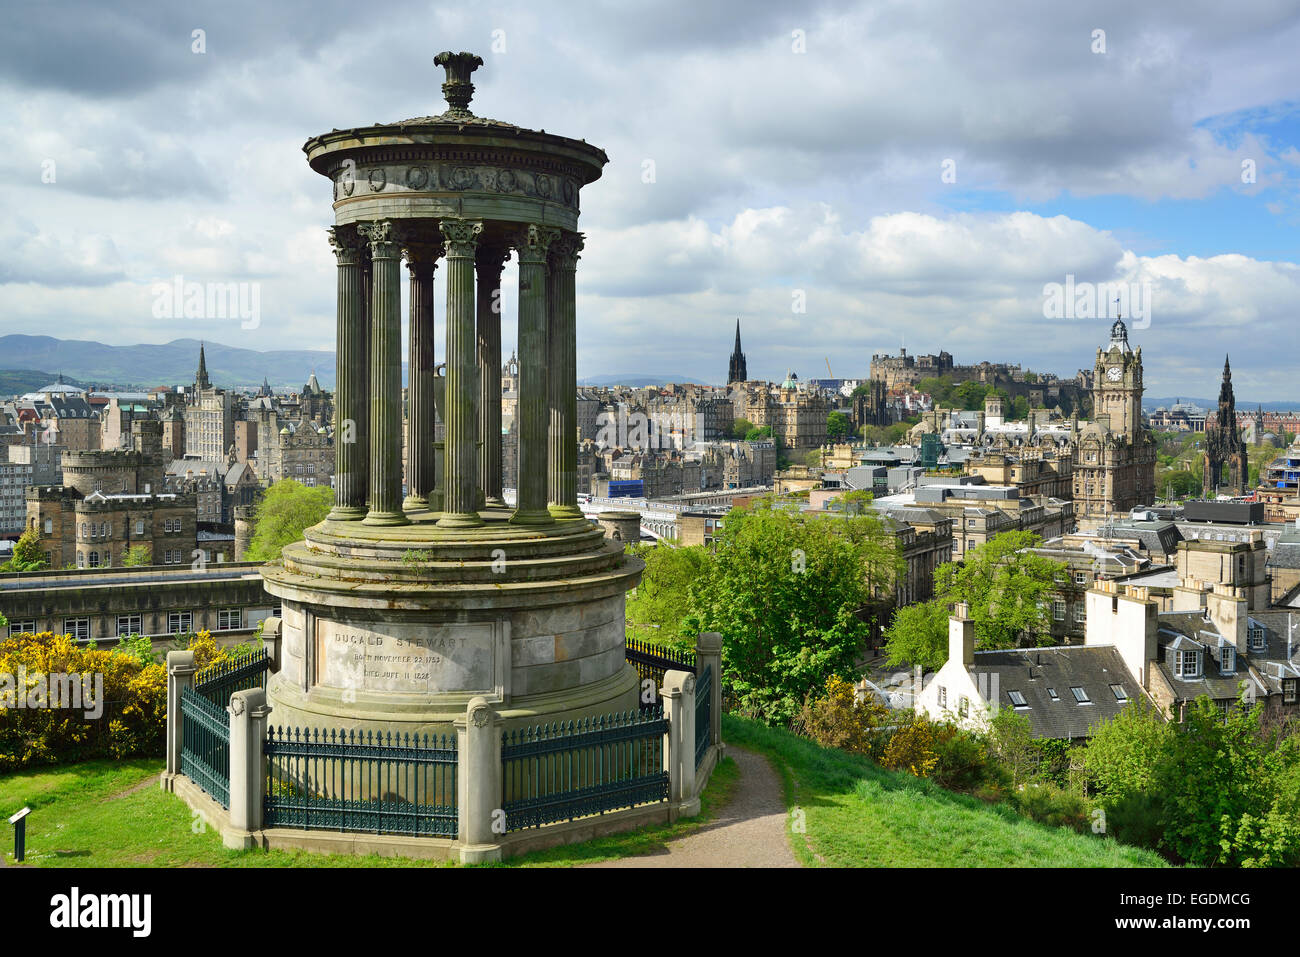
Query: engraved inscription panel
{"points": [[412, 658]]}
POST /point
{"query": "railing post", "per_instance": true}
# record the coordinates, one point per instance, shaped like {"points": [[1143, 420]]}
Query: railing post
{"points": [[708, 653], [271, 634], [478, 782], [180, 674], [248, 711], [678, 694]]}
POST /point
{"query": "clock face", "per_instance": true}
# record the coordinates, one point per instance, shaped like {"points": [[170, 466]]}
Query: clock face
{"points": [[1114, 373]]}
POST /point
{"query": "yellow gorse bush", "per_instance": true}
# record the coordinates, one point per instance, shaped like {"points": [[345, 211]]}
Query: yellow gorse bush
{"points": [[134, 701]]}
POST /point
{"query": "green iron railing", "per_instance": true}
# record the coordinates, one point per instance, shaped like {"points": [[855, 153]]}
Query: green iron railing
{"points": [[652, 662], [703, 713], [205, 744], [361, 781], [219, 682], [572, 769]]}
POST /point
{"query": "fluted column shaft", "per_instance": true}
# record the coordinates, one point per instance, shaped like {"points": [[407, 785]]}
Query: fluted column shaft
{"points": [[460, 407], [530, 503], [421, 260], [562, 349], [488, 268], [351, 428], [385, 377]]}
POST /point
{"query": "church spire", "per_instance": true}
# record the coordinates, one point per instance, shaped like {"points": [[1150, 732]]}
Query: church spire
{"points": [[736, 370], [201, 377]]}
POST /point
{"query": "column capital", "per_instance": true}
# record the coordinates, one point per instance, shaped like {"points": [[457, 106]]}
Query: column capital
{"points": [[490, 260], [565, 249], [421, 255], [533, 242], [382, 237], [347, 245], [460, 236]]}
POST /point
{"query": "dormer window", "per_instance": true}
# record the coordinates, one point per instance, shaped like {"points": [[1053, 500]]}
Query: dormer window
{"points": [[1187, 664], [1255, 639], [1227, 659]]}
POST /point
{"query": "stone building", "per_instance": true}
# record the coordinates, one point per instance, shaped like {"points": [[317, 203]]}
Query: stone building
{"points": [[110, 501], [737, 369], [28, 464], [209, 417], [796, 415]]}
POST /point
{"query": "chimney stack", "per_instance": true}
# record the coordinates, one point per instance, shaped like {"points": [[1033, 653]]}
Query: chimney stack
{"points": [[961, 635]]}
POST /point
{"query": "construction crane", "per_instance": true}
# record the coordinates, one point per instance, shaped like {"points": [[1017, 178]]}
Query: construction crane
{"points": [[828, 367]]}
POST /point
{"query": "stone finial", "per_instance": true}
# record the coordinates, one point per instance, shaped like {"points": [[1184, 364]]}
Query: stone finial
{"points": [[458, 90]]}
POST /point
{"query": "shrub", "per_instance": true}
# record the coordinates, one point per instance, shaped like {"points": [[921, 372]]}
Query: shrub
{"points": [[910, 747], [1054, 806], [837, 719], [1136, 817], [133, 697], [965, 763]]}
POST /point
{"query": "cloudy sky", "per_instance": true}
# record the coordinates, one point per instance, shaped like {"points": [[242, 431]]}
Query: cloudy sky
{"points": [[913, 172]]}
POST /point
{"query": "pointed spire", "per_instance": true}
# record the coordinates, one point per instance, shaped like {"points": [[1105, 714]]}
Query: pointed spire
{"points": [[201, 377]]}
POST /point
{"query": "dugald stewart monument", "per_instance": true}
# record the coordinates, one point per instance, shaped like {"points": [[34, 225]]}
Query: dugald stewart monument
{"points": [[399, 609]]}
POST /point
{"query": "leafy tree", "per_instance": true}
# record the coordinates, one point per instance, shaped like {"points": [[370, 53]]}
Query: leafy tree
{"points": [[28, 556], [658, 606], [837, 719], [286, 510], [1006, 587], [1180, 483], [813, 458], [1031, 376], [754, 433], [970, 395], [918, 636], [1018, 409], [740, 428], [838, 426], [1007, 590], [856, 501], [1225, 787], [1124, 752], [138, 555], [786, 592], [1011, 738]]}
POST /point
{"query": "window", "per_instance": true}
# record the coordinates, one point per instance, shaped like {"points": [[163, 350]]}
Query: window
{"points": [[128, 625], [278, 611], [1255, 639], [1080, 578], [78, 628], [1120, 694], [1058, 610], [1017, 699], [180, 622], [49, 526], [81, 560], [1081, 613], [94, 559], [139, 526], [229, 618], [943, 697], [1289, 694], [24, 626], [1080, 695], [963, 706], [1187, 664], [1051, 693], [1227, 660]]}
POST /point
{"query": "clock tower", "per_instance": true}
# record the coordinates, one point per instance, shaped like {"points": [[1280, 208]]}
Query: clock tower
{"points": [[1117, 384]]}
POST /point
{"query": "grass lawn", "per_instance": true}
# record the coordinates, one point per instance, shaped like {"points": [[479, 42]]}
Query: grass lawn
{"points": [[113, 814], [856, 814]]}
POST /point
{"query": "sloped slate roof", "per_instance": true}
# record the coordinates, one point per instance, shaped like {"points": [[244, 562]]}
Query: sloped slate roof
{"points": [[1032, 671]]}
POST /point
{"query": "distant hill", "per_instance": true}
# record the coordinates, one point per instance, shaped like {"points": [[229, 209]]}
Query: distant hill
{"points": [[21, 381], [146, 366]]}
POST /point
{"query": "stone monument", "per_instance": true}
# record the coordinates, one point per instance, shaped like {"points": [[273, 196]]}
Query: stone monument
{"points": [[404, 605]]}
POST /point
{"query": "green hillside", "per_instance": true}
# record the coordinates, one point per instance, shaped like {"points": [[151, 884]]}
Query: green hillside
{"points": [[856, 814]]}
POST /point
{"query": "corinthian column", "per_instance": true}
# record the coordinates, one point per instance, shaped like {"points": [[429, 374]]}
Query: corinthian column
{"points": [[385, 377], [460, 406], [421, 260], [351, 452], [531, 413], [488, 266], [562, 370]]}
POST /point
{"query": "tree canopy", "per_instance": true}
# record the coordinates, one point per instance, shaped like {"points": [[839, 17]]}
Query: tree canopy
{"points": [[658, 607], [28, 556], [790, 596], [286, 510]]}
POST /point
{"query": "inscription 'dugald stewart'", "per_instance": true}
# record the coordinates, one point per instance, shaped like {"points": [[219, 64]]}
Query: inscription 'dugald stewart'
{"points": [[411, 658]]}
